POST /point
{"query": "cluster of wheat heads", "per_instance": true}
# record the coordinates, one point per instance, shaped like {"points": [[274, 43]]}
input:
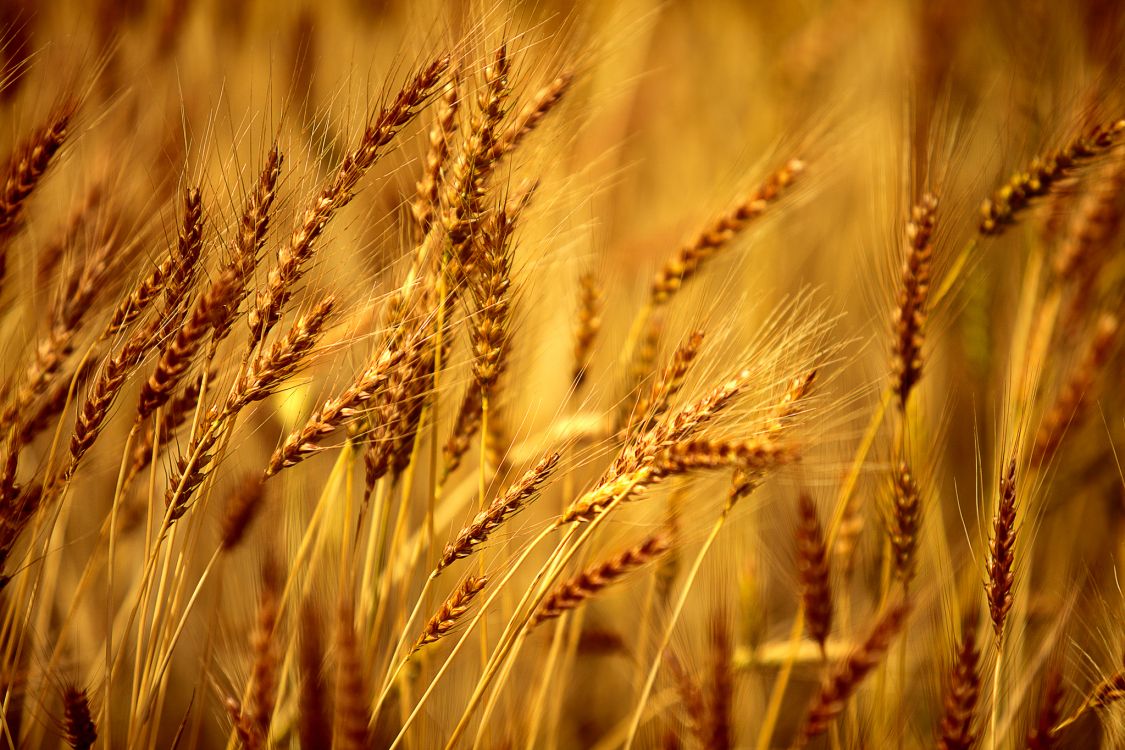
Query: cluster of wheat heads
{"points": [[629, 374]]}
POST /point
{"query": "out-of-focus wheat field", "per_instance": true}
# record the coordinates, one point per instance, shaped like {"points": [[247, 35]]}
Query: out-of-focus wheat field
{"points": [[378, 373]]}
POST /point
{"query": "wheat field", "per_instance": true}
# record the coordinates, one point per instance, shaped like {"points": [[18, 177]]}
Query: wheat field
{"points": [[625, 374]]}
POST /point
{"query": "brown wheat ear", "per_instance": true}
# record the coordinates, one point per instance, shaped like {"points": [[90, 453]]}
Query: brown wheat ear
{"points": [[591, 299], [813, 570], [904, 523], [1041, 736], [594, 579], [464, 193], [499, 510], [913, 294], [848, 675], [294, 257], [1001, 558], [533, 113], [691, 699], [956, 729], [689, 258], [441, 134], [340, 410], [266, 650], [451, 611], [182, 270], [314, 719], [26, 167], [252, 228], [180, 353], [1068, 411], [720, 718], [81, 732], [1004, 207], [351, 718], [243, 505]]}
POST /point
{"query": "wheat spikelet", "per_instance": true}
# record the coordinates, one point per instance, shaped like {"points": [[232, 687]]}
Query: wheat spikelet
{"points": [[351, 718], [181, 272], [847, 676], [464, 192], [243, 504], [956, 729], [81, 732], [913, 293], [26, 167], [1001, 558], [283, 359], [1068, 409], [105, 389], [503, 507], [338, 410], [1094, 226], [591, 581], [691, 700], [255, 722], [591, 300], [179, 409], [904, 521], [428, 189], [252, 228], [713, 238], [533, 113], [451, 610], [1041, 736], [314, 719], [179, 354], [813, 570], [720, 729], [1003, 208], [293, 257]]}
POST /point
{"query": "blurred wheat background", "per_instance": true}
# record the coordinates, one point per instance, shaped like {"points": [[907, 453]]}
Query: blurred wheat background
{"points": [[543, 375]]}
